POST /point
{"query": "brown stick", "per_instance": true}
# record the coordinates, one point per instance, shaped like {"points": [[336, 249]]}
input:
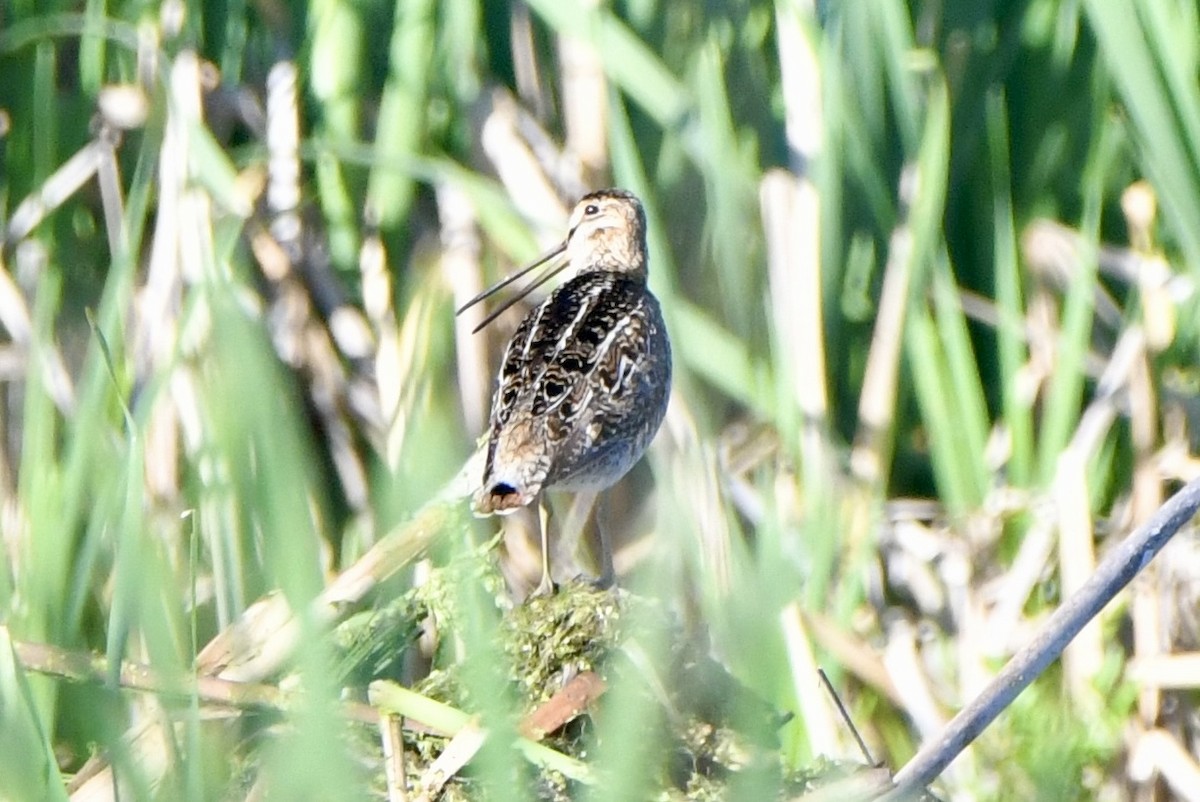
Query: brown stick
{"points": [[79, 666]]}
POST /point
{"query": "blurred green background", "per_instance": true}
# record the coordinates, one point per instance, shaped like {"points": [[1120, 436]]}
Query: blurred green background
{"points": [[929, 272]]}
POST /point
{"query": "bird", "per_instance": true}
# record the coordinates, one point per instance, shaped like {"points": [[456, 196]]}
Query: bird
{"points": [[585, 379]]}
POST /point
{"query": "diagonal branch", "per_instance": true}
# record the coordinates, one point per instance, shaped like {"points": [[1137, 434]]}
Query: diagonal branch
{"points": [[1115, 571]]}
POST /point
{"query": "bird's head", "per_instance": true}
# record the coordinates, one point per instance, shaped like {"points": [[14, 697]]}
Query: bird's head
{"points": [[607, 230]]}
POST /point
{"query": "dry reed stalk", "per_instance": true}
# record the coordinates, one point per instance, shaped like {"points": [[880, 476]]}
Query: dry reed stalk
{"points": [[392, 738], [877, 399], [521, 171], [1166, 671], [822, 724], [791, 210], [584, 95], [526, 70], [180, 244], [462, 272], [461, 749], [1157, 753]]}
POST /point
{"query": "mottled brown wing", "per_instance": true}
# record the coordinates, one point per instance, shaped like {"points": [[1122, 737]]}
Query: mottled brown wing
{"points": [[590, 368], [529, 373], [605, 394]]}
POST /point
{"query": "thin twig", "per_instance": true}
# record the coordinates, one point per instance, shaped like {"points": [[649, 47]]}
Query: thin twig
{"points": [[845, 714], [76, 666]]}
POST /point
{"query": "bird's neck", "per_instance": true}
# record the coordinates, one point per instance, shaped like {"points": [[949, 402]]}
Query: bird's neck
{"points": [[627, 261]]}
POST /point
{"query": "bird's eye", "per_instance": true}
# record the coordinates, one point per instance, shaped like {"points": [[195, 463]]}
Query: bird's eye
{"points": [[591, 209]]}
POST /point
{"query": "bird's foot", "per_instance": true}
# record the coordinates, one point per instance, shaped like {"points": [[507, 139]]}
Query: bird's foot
{"points": [[606, 581], [545, 588]]}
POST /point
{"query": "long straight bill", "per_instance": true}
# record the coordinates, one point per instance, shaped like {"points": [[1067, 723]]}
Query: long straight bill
{"points": [[556, 265]]}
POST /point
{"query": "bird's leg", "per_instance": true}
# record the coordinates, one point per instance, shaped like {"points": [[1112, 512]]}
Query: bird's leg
{"points": [[586, 510], [546, 585], [607, 576]]}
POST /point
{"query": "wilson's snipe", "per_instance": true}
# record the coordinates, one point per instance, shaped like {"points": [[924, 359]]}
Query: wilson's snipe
{"points": [[585, 379]]}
